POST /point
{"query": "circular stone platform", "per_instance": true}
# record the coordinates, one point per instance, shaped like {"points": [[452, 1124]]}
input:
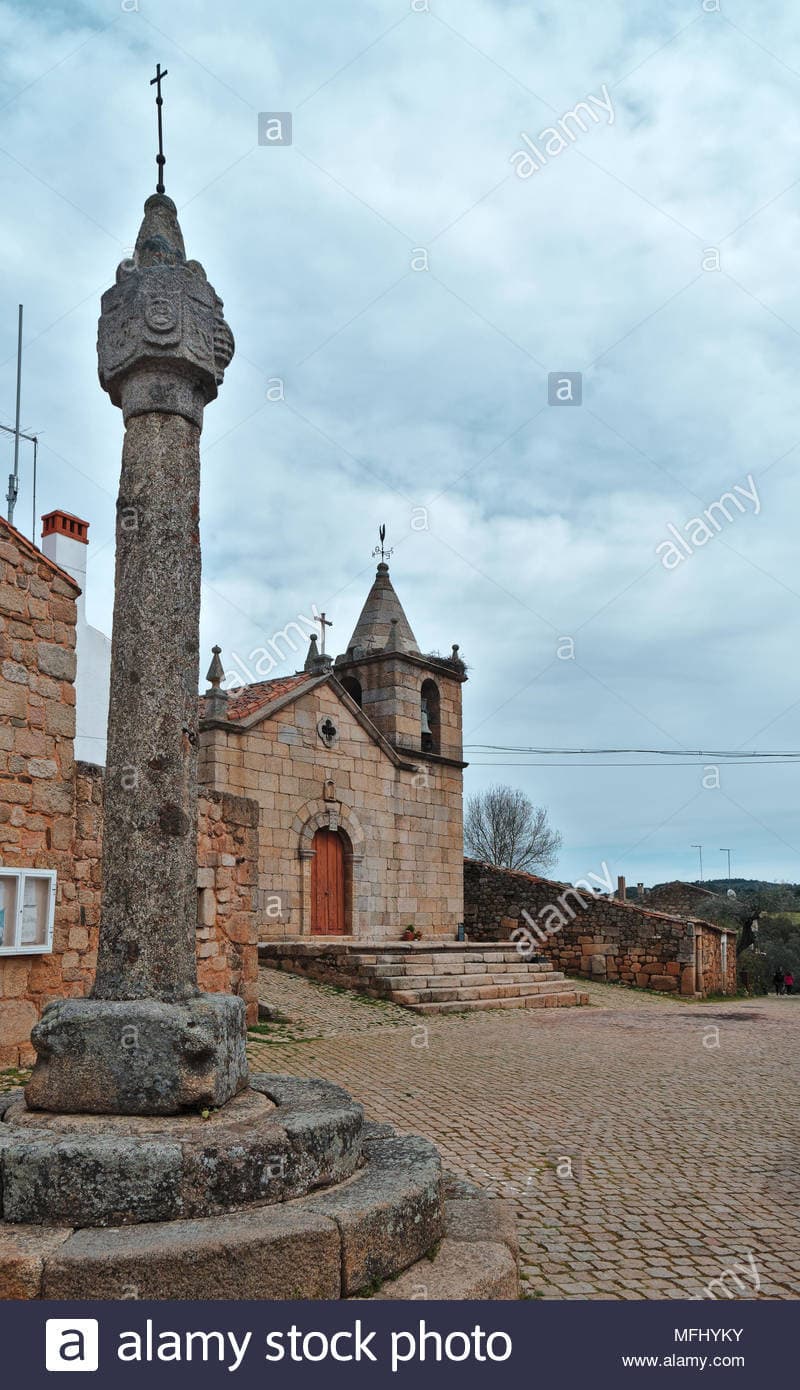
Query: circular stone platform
{"points": [[276, 1141], [284, 1193]]}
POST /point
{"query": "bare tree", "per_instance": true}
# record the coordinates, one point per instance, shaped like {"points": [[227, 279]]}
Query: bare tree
{"points": [[503, 827]]}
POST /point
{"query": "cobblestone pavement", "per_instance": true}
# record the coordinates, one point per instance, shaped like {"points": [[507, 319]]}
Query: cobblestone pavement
{"points": [[651, 1144], [322, 1011]]}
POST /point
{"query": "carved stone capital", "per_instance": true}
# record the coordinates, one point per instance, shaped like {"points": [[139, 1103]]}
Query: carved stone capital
{"points": [[162, 342]]}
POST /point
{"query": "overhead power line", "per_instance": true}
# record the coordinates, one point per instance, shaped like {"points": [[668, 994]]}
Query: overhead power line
{"points": [[717, 762], [707, 754]]}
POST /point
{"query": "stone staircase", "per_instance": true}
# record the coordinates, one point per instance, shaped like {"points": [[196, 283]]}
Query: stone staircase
{"points": [[436, 977]]}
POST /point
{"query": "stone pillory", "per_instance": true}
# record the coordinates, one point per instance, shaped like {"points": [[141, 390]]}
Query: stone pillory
{"points": [[148, 1041]]}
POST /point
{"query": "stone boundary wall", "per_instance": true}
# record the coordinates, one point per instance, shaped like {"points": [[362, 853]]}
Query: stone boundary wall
{"points": [[599, 938]]}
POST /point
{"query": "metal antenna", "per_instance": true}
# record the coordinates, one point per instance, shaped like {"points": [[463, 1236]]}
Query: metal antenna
{"points": [[160, 160], [13, 478]]}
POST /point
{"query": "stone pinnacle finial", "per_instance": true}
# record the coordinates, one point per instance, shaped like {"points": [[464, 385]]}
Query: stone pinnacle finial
{"points": [[316, 661], [216, 698], [313, 654]]}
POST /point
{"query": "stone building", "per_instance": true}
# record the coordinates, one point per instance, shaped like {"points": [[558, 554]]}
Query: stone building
{"points": [[357, 768], [686, 898]]}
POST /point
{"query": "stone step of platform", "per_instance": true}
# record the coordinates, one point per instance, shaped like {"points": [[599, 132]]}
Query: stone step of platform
{"points": [[331, 1244], [509, 977], [446, 994], [569, 998], [278, 1140], [440, 976], [351, 1238]]}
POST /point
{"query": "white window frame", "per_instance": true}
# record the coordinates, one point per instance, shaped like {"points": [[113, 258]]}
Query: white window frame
{"points": [[19, 948]]}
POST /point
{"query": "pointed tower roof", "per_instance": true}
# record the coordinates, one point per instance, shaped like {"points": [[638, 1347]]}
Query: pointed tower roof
{"points": [[382, 618]]}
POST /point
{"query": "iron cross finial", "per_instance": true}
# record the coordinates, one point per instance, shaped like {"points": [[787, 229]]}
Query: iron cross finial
{"points": [[323, 622], [160, 160], [381, 549]]}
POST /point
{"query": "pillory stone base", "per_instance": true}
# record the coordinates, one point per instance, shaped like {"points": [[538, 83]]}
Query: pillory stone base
{"points": [[138, 1056]]}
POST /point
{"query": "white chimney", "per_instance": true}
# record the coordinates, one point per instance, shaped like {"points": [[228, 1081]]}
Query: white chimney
{"points": [[65, 539]]}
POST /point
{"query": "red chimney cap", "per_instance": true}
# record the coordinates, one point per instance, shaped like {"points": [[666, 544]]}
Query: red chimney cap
{"points": [[65, 524]]}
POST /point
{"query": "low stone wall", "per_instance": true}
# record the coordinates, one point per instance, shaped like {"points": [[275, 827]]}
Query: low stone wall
{"points": [[597, 937]]}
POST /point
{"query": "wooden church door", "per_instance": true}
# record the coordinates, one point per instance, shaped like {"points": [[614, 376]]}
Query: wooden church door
{"points": [[327, 885]]}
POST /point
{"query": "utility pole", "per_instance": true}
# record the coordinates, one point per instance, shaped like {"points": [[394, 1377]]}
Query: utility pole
{"points": [[700, 848], [727, 851], [13, 478]]}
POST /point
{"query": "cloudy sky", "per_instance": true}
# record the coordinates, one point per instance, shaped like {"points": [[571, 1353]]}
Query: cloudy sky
{"points": [[412, 288]]}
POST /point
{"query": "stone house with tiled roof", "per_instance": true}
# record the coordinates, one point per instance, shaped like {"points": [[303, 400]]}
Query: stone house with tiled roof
{"points": [[357, 768]]}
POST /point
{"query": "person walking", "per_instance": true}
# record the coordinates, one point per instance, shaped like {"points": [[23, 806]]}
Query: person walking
{"points": [[778, 980], [788, 981]]}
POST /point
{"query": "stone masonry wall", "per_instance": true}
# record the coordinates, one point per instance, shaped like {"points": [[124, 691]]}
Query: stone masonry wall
{"points": [[51, 813], [598, 938], [37, 771], [227, 880], [227, 939], [404, 829]]}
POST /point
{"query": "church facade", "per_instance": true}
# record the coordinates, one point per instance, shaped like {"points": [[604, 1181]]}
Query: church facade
{"points": [[357, 769]]}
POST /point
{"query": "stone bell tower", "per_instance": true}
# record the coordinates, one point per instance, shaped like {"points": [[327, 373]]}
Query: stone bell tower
{"points": [[412, 698]]}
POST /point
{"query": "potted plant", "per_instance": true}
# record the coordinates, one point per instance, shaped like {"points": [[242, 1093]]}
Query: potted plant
{"points": [[409, 934]]}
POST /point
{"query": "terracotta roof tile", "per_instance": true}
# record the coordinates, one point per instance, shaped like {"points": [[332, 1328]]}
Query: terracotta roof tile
{"points": [[254, 697]]}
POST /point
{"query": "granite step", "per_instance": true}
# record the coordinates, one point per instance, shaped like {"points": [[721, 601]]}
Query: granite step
{"points": [[330, 1245], [393, 982], [442, 993], [567, 999], [418, 976]]}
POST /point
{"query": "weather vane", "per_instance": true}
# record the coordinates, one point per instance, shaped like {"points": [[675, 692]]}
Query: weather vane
{"points": [[381, 549], [160, 160]]}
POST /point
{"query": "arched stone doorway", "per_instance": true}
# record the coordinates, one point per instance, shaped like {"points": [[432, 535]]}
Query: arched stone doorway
{"points": [[329, 916], [341, 822]]}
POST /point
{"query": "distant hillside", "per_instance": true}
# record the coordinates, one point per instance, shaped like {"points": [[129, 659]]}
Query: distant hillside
{"points": [[745, 885], [721, 886]]}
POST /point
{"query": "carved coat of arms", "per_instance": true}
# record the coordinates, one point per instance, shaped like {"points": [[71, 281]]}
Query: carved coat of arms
{"points": [[161, 312]]}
